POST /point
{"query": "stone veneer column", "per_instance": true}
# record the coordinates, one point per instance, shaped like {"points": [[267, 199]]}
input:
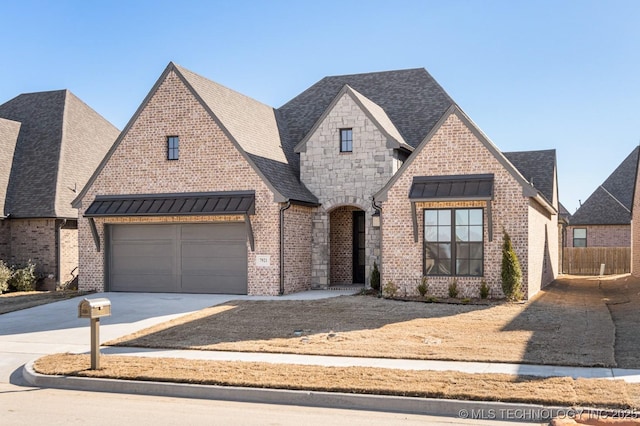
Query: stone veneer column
{"points": [[320, 250]]}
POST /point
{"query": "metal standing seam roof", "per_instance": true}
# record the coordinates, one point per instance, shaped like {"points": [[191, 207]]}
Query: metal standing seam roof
{"points": [[457, 187], [187, 204]]}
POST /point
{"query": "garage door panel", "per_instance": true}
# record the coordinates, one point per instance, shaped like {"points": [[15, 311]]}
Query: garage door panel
{"points": [[147, 283], [205, 266], [222, 284], [143, 232], [144, 248], [213, 250], [158, 265], [214, 232]]}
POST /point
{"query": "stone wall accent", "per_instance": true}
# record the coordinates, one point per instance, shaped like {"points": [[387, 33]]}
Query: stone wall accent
{"points": [[603, 235], [208, 162], [341, 245], [345, 178], [297, 248], [454, 150]]}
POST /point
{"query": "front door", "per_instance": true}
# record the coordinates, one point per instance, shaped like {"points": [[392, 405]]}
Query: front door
{"points": [[358, 247]]}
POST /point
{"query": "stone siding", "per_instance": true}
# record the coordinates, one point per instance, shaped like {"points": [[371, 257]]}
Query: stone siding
{"points": [[603, 235], [208, 162], [341, 179], [453, 150]]}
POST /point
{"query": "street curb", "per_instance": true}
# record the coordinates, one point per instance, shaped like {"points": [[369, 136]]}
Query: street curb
{"points": [[479, 410]]}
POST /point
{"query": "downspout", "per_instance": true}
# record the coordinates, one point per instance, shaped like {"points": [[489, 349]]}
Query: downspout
{"points": [[282, 209], [59, 259]]}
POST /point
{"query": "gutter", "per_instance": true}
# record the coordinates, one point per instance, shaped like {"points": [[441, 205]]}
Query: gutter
{"points": [[282, 209]]}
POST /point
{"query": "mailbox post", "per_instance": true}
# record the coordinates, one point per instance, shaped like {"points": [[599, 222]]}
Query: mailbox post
{"points": [[94, 309]]}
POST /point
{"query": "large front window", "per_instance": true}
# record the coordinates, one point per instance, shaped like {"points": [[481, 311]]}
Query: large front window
{"points": [[453, 242]]}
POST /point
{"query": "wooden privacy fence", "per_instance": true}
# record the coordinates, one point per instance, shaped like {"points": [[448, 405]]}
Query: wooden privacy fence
{"points": [[587, 260]]}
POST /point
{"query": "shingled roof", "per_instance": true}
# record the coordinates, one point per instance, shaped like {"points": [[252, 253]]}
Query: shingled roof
{"points": [[60, 142], [253, 126], [411, 99], [611, 202], [537, 167], [9, 131]]}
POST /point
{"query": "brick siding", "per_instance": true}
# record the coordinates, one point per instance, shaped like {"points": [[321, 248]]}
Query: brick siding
{"points": [[341, 245], [208, 162], [297, 249], [455, 150]]}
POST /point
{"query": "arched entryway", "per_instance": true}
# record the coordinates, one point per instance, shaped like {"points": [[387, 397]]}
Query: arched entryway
{"points": [[347, 245]]}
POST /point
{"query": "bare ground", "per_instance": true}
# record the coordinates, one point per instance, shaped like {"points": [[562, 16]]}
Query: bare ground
{"points": [[562, 391], [568, 323], [10, 302]]}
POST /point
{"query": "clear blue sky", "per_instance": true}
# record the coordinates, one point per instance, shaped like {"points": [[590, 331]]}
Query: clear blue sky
{"points": [[532, 74]]}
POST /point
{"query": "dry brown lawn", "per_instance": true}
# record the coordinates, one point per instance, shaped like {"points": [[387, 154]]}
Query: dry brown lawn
{"points": [[561, 391], [10, 302], [566, 324]]}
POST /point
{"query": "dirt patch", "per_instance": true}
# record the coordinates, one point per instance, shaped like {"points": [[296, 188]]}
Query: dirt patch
{"points": [[622, 297], [561, 391], [566, 324], [10, 302]]}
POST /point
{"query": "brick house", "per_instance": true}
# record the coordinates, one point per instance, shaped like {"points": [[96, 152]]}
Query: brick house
{"points": [[207, 190], [604, 219], [50, 143]]}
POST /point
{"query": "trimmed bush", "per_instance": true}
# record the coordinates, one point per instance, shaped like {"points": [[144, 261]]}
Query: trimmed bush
{"points": [[484, 290], [374, 280], [511, 272], [390, 289], [453, 289], [5, 275], [423, 287], [24, 279]]}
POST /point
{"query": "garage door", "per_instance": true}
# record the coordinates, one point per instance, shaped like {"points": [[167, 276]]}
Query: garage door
{"points": [[187, 258]]}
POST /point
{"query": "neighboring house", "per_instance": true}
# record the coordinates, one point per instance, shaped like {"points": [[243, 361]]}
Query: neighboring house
{"points": [[207, 190], [604, 219], [50, 143]]}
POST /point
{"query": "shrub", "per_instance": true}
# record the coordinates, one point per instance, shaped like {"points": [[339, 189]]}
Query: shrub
{"points": [[24, 279], [466, 301], [390, 289], [423, 287], [484, 290], [511, 273], [431, 299], [374, 280], [5, 275], [453, 289]]}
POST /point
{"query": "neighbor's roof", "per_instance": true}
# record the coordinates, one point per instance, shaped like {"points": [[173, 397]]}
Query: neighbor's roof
{"points": [[60, 142], [611, 202], [537, 167], [9, 131], [411, 99]]}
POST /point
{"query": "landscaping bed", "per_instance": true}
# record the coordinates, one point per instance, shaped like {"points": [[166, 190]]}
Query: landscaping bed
{"points": [[16, 301]]}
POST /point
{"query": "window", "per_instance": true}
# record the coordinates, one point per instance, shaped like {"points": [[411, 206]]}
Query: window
{"points": [[453, 242], [346, 140], [173, 143], [580, 237]]}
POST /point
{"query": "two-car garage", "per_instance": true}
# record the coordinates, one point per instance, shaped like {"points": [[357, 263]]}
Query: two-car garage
{"points": [[188, 253], [182, 258]]}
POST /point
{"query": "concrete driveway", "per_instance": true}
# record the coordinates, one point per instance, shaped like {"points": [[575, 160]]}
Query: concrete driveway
{"points": [[53, 328]]}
